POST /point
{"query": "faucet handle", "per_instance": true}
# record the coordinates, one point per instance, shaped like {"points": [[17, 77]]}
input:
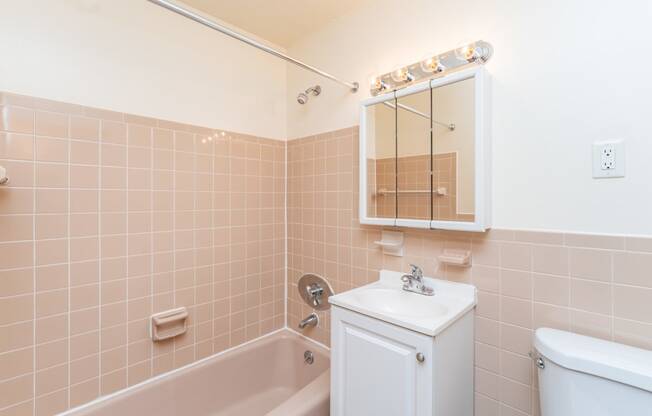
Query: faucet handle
{"points": [[416, 270]]}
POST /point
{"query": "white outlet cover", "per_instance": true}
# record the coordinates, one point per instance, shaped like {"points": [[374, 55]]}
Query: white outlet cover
{"points": [[609, 159]]}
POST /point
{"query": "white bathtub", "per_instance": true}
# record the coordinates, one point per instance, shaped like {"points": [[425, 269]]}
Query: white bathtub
{"points": [[265, 377]]}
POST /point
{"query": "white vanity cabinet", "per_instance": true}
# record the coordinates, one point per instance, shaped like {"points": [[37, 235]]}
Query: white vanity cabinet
{"points": [[379, 368]]}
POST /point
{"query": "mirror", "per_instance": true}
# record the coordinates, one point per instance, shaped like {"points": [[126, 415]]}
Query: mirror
{"points": [[453, 155], [413, 156], [425, 149], [380, 160]]}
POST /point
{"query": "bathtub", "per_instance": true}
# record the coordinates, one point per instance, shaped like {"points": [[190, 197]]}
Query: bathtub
{"points": [[268, 376]]}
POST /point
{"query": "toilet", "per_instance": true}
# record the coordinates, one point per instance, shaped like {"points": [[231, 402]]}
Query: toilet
{"points": [[584, 376]]}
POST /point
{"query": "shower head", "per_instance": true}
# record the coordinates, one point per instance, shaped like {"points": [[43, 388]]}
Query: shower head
{"points": [[302, 98]]}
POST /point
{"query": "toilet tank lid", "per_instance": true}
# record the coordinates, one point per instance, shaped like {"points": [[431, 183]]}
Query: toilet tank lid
{"points": [[610, 360]]}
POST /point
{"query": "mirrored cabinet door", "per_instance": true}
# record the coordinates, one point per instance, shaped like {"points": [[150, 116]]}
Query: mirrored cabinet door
{"points": [[426, 149], [453, 157], [380, 160], [413, 155]]}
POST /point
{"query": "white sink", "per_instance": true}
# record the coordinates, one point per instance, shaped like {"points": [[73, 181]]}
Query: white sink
{"points": [[386, 300]]}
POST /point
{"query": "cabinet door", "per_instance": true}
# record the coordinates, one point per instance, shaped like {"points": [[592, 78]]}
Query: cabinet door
{"points": [[375, 370]]}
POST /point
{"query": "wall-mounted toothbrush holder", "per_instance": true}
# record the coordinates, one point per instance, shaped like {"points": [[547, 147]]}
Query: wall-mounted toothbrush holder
{"points": [[391, 242], [168, 324], [460, 258], [3, 176]]}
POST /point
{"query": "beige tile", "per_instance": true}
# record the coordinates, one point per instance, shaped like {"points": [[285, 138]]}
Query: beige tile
{"points": [[16, 309], [592, 324], [114, 132], [638, 244], [516, 283], [16, 201], [16, 119], [51, 379], [83, 152], [84, 128], [516, 311], [51, 354], [51, 175], [591, 264], [638, 334], [591, 296], [15, 228], [52, 403], [633, 268], [16, 336], [16, 363], [595, 241], [51, 303], [16, 282], [51, 150], [632, 303], [51, 226], [515, 256], [51, 124], [551, 316], [16, 146], [16, 255], [550, 260], [16, 390]]}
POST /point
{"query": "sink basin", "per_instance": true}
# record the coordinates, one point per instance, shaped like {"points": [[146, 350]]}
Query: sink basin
{"points": [[386, 300], [392, 301]]}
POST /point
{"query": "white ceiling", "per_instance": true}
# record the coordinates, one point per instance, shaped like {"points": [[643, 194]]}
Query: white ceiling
{"points": [[282, 22]]}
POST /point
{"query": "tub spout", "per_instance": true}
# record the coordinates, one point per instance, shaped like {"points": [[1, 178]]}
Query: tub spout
{"points": [[310, 320]]}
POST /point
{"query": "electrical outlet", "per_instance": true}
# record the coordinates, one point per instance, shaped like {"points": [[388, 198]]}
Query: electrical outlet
{"points": [[609, 159]]}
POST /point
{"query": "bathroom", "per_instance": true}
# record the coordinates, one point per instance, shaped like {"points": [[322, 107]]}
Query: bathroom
{"points": [[185, 227]]}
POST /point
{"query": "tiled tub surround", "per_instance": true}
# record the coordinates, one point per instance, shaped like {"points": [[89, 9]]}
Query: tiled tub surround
{"points": [[111, 217], [595, 285]]}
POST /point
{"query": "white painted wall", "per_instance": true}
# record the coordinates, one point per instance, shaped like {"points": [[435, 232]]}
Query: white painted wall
{"points": [[565, 74], [135, 57]]}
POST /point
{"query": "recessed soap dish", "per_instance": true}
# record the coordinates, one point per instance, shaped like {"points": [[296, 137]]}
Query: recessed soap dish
{"points": [[461, 258], [168, 324], [391, 242]]}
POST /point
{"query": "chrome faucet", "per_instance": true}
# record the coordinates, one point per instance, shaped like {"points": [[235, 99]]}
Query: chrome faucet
{"points": [[310, 320], [413, 282]]}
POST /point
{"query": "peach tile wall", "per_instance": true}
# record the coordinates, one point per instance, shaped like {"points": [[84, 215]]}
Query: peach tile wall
{"points": [[109, 218], [595, 285]]}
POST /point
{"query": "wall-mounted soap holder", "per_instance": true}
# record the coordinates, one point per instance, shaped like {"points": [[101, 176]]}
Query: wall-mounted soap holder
{"points": [[168, 324], [391, 242], [3, 176], [460, 258]]}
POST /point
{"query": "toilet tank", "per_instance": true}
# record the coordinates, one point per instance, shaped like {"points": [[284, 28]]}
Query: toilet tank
{"points": [[584, 376]]}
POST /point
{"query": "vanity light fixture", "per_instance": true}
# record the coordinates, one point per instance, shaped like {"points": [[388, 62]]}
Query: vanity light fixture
{"points": [[477, 52], [378, 84], [433, 65]]}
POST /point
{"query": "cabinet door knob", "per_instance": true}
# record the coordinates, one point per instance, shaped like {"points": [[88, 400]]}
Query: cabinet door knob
{"points": [[420, 357]]}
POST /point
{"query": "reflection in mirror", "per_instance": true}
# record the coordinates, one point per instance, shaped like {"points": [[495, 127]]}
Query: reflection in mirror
{"points": [[453, 159], [381, 163], [413, 156]]}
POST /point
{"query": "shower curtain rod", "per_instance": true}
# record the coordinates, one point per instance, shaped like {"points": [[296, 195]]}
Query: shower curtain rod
{"points": [[225, 30], [450, 126]]}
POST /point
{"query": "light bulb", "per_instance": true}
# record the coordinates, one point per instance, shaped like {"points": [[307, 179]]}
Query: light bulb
{"points": [[466, 53], [377, 84], [432, 65], [203, 141], [402, 75]]}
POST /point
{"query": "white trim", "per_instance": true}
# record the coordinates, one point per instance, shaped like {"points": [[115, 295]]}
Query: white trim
{"points": [[363, 215]]}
